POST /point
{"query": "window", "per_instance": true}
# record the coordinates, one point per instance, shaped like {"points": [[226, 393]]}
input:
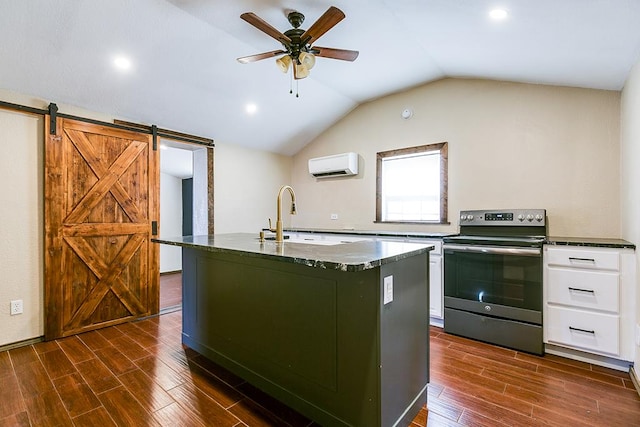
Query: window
{"points": [[412, 185]]}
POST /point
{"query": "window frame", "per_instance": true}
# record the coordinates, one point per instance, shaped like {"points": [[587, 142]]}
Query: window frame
{"points": [[441, 147]]}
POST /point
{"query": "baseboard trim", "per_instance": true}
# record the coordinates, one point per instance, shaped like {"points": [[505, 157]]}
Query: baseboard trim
{"points": [[594, 359], [22, 343], [634, 379], [436, 321], [171, 309], [166, 273]]}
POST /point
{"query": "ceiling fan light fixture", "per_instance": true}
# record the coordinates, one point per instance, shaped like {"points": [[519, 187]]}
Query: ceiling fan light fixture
{"points": [[307, 59], [297, 44], [301, 71], [283, 63]]}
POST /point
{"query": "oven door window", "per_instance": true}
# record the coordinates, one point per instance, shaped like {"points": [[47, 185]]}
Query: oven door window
{"points": [[509, 280]]}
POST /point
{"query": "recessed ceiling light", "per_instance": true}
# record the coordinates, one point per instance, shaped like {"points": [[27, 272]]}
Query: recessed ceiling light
{"points": [[122, 63], [498, 14], [251, 108]]}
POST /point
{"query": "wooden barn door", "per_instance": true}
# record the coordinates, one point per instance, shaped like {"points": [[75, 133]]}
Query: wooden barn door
{"points": [[101, 204]]}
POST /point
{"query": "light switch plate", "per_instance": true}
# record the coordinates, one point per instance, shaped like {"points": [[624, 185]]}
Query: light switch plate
{"points": [[388, 289]]}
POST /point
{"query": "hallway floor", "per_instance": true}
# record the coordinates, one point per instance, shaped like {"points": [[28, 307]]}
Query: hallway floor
{"points": [[170, 291]]}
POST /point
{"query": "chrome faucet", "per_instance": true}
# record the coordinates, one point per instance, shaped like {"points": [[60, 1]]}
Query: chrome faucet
{"points": [[278, 229]]}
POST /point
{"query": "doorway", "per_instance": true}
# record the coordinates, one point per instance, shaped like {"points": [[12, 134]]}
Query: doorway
{"points": [[184, 202]]}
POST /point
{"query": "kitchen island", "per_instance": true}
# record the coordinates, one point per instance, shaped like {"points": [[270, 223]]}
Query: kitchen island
{"points": [[338, 332]]}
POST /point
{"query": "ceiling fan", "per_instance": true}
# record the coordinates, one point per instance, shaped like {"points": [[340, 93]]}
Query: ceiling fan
{"points": [[297, 43]]}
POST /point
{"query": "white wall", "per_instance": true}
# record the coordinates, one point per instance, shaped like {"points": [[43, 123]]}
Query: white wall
{"points": [[510, 146], [170, 221], [21, 230], [246, 184], [630, 176]]}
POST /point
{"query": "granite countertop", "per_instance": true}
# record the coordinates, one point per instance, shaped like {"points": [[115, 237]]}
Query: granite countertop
{"points": [[408, 234], [594, 242], [352, 256]]}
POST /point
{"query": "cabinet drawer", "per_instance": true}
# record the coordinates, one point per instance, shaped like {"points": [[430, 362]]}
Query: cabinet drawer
{"points": [[597, 290], [581, 329], [580, 258]]}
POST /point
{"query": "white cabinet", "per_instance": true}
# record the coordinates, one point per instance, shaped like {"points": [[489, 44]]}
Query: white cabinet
{"points": [[589, 299], [598, 290], [435, 278], [435, 286], [584, 329]]}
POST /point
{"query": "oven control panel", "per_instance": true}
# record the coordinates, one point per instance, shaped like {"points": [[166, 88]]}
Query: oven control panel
{"points": [[510, 217]]}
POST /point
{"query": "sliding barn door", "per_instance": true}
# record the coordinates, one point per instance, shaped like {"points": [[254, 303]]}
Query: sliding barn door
{"points": [[101, 187]]}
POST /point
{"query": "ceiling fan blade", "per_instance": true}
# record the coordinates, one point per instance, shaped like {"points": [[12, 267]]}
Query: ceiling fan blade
{"points": [[259, 56], [327, 52], [265, 27], [331, 17]]}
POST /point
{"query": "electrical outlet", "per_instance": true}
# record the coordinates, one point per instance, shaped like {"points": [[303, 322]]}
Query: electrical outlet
{"points": [[16, 307], [388, 290], [334, 216], [638, 335]]}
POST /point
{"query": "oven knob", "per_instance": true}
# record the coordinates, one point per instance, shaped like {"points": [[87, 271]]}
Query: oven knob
{"points": [[529, 217], [487, 307], [521, 217], [539, 218], [470, 217], [463, 217]]}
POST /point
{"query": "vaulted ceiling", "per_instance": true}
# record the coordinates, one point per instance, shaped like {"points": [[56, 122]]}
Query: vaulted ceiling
{"points": [[184, 75]]}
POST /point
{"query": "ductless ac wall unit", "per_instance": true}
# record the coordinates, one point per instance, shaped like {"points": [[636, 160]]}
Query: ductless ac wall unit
{"points": [[345, 164]]}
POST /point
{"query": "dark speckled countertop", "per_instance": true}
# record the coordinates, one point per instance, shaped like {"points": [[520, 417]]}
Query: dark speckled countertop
{"points": [[593, 242], [352, 256], [377, 233]]}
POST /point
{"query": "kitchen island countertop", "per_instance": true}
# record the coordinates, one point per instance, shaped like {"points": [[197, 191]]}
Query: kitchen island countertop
{"points": [[351, 256]]}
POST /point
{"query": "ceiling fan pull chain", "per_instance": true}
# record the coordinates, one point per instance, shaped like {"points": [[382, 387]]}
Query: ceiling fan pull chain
{"points": [[291, 82], [297, 93]]}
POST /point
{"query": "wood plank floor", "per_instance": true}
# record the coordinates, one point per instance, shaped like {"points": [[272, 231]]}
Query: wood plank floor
{"points": [[138, 374], [170, 290]]}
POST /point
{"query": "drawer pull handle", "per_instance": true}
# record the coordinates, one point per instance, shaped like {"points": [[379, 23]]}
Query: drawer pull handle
{"points": [[583, 260], [582, 330], [588, 291]]}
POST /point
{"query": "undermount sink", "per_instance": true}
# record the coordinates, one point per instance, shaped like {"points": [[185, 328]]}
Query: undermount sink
{"points": [[314, 241], [321, 241]]}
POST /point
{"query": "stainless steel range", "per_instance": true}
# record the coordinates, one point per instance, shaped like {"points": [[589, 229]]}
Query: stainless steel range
{"points": [[493, 278]]}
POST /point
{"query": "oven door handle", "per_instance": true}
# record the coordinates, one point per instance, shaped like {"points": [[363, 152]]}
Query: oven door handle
{"points": [[498, 250]]}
